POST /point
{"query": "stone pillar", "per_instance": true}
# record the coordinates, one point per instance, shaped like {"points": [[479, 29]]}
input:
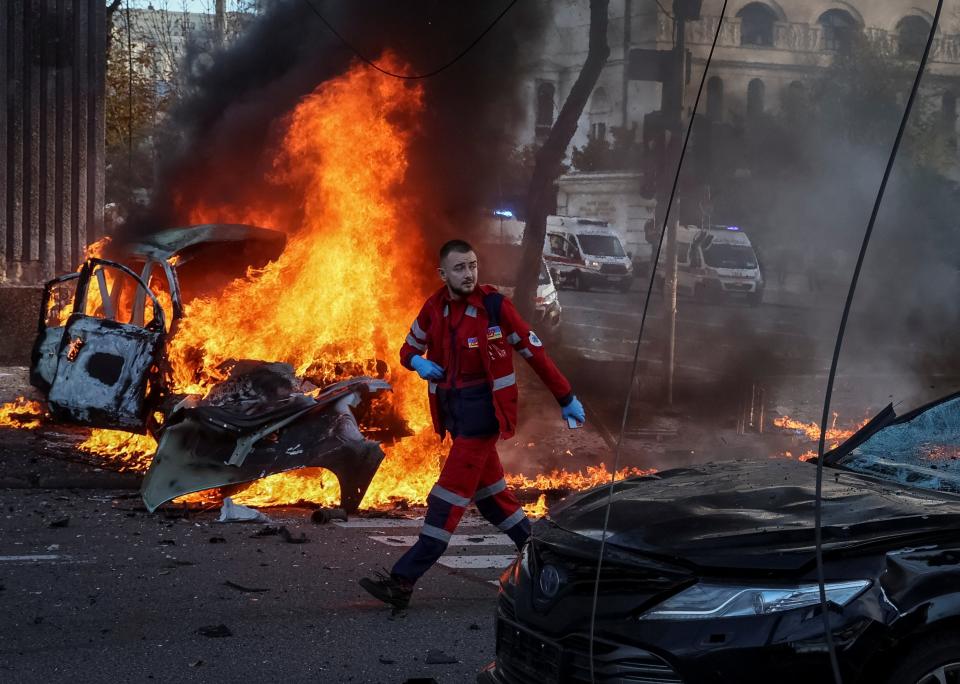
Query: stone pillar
{"points": [[52, 76]]}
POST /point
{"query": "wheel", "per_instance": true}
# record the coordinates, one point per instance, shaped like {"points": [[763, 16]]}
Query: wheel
{"points": [[577, 281], [934, 660]]}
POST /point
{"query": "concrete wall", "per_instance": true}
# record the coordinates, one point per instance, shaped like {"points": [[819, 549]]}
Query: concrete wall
{"points": [[19, 312], [52, 74], [613, 197]]}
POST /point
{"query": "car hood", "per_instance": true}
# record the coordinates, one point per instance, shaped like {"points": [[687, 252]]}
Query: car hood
{"points": [[185, 242], [755, 514]]}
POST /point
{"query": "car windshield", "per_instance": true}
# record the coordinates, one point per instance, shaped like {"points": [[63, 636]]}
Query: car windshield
{"points": [[601, 245], [499, 265], [730, 256], [921, 449]]}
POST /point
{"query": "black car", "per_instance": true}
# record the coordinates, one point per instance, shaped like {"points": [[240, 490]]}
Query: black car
{"points": [[709, 574]]}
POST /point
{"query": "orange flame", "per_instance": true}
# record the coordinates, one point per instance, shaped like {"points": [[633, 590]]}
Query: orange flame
{"points": [[22, 413]]}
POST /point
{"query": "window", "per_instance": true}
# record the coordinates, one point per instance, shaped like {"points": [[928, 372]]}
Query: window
{"points": [[912, 33], [793, 100], [598, 131], [756, 24], [840, 29], [755, 92], [544, 106], [715, 99]]}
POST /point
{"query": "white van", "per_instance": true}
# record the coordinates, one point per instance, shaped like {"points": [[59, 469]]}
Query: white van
{"points": [[715, 262], [584, 252]]}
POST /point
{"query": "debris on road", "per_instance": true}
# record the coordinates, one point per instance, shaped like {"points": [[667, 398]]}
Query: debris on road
{"points": [[322, 516], [288, 537], [240, 587], [438, 657], [266, 531], [218, 540], [62, 522], [215, 631], [232, 512]]}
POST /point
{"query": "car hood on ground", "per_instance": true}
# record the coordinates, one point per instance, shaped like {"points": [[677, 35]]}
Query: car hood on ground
{"points": [[184, 242], [755, 514]]}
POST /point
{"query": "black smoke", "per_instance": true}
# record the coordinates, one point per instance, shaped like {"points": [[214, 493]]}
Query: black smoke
{"points": [[217, 134]]}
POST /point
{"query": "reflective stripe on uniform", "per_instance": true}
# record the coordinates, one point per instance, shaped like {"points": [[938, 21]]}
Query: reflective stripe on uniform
{"points": [[412, 341], [512, 520], [504, 382], [490, 490], [436, 532], [448, 496], [432, 386], [446, 310], [471, 311], [526, 353], [513, 338], [418, 331]]}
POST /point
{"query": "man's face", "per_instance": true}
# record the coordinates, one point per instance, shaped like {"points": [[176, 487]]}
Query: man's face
{"points": [[459, 271]]}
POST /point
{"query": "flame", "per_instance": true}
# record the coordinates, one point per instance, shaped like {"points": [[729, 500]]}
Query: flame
{"points": [[538, 509], [22, 413], [126, 450], [834, 435]]}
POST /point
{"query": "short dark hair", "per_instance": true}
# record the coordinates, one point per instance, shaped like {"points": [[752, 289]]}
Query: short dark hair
{"points": [[460, 246]]}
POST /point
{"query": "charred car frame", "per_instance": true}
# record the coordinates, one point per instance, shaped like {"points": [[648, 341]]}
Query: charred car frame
{"points": [[100, 360]]}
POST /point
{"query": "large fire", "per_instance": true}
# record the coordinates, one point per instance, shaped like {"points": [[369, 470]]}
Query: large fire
{"points": [[344, 291], [834, 437]]}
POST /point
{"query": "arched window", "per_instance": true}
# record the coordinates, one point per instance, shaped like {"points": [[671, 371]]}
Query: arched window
{"points": [[756, 24], [715, 98], [544, 106], [755, 98], [840, 29], [912, 33]]}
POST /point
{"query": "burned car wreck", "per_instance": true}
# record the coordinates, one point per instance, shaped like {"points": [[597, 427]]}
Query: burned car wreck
{"points": [[733, 597], [100, 360]]}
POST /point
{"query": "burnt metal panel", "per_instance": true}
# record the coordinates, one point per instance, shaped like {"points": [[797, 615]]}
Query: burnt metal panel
{"points": [[52, 87]]}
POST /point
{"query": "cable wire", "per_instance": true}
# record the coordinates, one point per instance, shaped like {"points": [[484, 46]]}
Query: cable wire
{"points": [[643, 321], [408, 77], [818, 497]]}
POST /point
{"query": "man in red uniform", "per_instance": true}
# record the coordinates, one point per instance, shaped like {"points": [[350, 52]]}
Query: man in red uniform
{"points": [[462, 342]]}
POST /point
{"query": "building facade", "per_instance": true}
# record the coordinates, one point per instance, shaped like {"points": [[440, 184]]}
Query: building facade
{"points": [[767, 53]]}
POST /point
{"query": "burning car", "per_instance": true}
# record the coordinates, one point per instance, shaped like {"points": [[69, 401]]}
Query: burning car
{"points": [[100, 358], [709, 572]]}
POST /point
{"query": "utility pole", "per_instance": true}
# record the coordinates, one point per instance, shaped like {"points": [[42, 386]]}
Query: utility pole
{"points": [[673, 91], [220, 21]]}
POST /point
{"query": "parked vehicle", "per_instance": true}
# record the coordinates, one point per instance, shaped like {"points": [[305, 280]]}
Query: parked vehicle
{"points": [[499, 266], [584, 253], [709, 575], [100, 358], [715, 263]]}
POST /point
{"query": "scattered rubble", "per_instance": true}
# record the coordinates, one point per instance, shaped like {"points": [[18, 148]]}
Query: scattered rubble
{"points": [[232, 512], [215, 631]]}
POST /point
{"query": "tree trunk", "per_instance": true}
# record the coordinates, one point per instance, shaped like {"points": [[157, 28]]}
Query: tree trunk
{"points": [[551, 155]]}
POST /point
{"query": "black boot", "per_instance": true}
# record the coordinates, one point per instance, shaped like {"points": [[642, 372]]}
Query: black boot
{"points": [[391, 590]]}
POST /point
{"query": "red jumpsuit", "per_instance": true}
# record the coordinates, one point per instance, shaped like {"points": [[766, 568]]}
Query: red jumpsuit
{"points": [[476, 403]]}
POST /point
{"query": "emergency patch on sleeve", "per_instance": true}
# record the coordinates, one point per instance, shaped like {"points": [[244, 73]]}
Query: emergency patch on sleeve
{"points": [[473, 342], [494, 333], [534, 340]]}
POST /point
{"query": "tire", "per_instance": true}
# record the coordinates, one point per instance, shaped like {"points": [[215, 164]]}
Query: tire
{"points": [[577, 282], [925, 658]]}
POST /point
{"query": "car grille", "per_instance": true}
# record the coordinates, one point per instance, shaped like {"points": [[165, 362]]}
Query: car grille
{"points": [[524, 657], [613, 269]]}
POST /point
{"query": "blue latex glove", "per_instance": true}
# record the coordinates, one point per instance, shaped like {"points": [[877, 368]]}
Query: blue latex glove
{"points": [[428, 370], [574, 411]]}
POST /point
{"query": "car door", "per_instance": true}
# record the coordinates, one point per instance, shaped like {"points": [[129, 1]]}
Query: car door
{"points": [[55, 309], [104, 360]]}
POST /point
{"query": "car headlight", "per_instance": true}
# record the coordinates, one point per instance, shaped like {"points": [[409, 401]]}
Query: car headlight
{"points": [[705, 601], [593, 264]]}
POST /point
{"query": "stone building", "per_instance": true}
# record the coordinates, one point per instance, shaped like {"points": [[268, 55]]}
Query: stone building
{"points": [[767, 53]]}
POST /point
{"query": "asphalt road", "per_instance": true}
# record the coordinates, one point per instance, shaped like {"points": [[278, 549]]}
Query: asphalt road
{"points": [[120, 595]]}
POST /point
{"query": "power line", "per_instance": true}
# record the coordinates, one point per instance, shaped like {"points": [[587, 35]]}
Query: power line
{"points": [[818, 496], [408, 77], [643, 321]]}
